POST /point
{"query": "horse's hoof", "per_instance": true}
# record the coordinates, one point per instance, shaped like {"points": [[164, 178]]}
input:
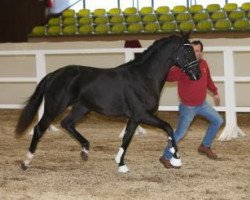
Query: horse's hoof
{"points": [[123, 169], [84, 156], [176, 162], [23, 166]]}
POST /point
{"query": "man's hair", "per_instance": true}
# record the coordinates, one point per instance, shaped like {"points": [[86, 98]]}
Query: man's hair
{"points": [[197, 42]]}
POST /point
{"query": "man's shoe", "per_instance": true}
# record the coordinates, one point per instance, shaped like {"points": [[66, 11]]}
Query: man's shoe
{"points": [[167, 163], [207, 151]]}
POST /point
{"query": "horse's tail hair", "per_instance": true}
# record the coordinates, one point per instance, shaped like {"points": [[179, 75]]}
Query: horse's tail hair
{"points": [[30, 109]]}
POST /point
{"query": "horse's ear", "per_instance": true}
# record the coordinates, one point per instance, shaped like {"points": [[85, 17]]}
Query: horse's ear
{"points": [[185, 35]]}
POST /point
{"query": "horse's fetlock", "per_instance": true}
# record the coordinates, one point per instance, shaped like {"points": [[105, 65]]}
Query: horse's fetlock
{"points": [[63, 124], [86, 145]]}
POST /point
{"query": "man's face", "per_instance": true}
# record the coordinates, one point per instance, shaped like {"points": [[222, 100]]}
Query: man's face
{"points": [[197, 51]]}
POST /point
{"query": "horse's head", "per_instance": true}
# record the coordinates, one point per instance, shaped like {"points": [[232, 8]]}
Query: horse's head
{"points": [[184, 57]]}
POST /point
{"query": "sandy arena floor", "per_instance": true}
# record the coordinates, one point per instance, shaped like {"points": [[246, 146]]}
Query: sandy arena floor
{"points": [[57, 171]]}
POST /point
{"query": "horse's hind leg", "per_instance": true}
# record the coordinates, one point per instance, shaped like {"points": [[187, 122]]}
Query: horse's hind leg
{"points": [[69, 124], [130, 129], [39, 129]]}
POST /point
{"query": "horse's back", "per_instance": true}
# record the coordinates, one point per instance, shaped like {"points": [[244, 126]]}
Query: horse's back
{"points": [[109, 91], [104, 90]]}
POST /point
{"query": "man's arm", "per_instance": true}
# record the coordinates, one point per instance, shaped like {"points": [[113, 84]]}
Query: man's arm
{"points": [[212, 87], [174, 74]]}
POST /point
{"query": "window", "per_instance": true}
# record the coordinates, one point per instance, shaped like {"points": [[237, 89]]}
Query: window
{"points": [[205, 3], [94, 4], [144, 3], [127, 3], [239, 2], [169, 3]]}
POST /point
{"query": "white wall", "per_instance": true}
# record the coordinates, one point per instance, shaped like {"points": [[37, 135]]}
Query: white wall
{"points": [[16, 93]]}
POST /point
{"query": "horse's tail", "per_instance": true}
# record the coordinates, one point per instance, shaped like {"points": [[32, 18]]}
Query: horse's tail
{"points": [[31, 107]]}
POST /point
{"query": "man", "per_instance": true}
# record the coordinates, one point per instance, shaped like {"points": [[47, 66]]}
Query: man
{"points": [[193, 102]]}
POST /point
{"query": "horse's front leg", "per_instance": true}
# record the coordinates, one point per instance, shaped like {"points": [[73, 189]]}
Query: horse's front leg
{"points": [[130, 129], [157, 122]]}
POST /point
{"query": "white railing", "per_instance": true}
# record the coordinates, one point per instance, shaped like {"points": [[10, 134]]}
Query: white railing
{"points": [[231, 129]]}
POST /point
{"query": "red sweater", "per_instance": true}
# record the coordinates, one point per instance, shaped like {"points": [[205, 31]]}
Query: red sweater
{"points": [[193, 93]]}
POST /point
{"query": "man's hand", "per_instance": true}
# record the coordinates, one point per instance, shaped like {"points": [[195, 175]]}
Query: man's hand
{"points": [[217, 99]]}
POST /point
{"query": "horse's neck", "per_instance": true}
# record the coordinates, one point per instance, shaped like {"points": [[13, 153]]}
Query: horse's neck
{"points": [[155, 70]]}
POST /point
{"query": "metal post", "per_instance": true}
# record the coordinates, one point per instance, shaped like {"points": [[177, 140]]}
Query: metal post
{"points": [[129, 54], [152, 3], [84, 4], [118, 4], [40, 73], [231, 130]]}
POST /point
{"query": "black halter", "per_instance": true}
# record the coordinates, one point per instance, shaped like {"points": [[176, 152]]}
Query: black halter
{"points": [[190, 65]]}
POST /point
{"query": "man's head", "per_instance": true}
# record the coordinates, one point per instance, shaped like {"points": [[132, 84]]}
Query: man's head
{"points": [[198, 49]]}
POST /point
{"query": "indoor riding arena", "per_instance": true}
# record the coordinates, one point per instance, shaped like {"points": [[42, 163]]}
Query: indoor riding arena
{"points": [[58, 171]]}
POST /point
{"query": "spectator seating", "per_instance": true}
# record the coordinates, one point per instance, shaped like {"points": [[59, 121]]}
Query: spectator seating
{"points": [[114, 12], [162, 10], [196, 18], [195, 9]]}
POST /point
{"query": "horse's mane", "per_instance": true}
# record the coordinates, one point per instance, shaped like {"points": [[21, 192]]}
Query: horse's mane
{"points": [[151, 50]]}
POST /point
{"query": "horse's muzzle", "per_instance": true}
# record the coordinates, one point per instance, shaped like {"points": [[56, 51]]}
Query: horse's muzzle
{"points": [[192, 69]]}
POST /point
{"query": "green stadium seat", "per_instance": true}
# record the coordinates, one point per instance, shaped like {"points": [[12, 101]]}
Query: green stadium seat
{"points": [[83, 13], [248, 15], [195, 9], [151, 27], [118, 28], [133, 19], [183, 17], [241, 24], [169, 27], [99, 12], [85, 29], [235, 15], [130, 11], [149, 18], [69, 30], [102, 29], [186, 26], [68, 13], [69, 21], [245, 7], [168, 17], [101, 20], [114, 11], [217, 15], [38, 31], [200, 16], [205, 25], [162, 10], [56, 21], [146, 10], [135, 28], [54, 30], [223, 25], [179, 9], [116, 19], [228, 7], [85, 20], [213, 7]]}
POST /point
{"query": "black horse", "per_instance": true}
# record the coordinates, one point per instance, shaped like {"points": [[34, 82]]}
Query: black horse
{"points": [[132, 90]]}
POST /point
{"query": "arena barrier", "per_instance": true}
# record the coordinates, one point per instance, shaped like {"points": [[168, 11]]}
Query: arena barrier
{"points": [[229, 79]]}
